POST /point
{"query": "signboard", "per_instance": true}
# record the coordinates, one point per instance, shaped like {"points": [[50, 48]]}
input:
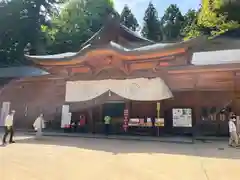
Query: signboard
{"points": [[149, 122], [134, 122], [182, 117], [66, 116], [159, 122], [4, 112], [125, 120]]}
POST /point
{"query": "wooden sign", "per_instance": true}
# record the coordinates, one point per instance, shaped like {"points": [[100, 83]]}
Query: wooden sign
{"points": [[159, 122]]}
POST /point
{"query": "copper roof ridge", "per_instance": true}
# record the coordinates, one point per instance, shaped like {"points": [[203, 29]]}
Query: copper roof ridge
{"points": [[116, 48]]}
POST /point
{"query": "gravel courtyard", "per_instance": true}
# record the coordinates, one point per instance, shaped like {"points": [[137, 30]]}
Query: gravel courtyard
{"points": [[66, 158]]}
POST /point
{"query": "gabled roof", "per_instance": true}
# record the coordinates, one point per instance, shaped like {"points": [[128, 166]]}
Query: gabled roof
{"points": [[22, 71], [135, 35], [114, 48], [113, 26], [227, 40], [233, 34]]}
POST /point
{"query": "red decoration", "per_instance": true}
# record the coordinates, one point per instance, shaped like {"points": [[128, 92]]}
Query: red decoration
{"points": [[163, 64], [141, 121], [67, 126]]}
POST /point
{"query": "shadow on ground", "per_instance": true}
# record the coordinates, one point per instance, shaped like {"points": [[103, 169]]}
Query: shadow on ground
{"points": [[209, 150]]}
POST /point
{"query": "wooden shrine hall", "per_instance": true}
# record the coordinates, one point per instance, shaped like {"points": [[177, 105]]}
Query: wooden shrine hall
{"points": [[188, 82]]}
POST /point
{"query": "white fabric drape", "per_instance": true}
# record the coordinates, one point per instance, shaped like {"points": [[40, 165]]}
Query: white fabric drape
{"points": [[140, 89]]}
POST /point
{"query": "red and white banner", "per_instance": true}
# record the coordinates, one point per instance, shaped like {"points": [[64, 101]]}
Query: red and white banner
{"points": [[125, 120]]}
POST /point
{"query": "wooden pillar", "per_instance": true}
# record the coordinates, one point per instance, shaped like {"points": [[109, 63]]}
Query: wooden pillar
{"points": [[91, 120], [235, 94], [196, 110], [101, 112], [236, 98], [236, 102]]}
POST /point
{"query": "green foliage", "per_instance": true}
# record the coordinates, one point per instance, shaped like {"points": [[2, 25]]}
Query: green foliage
{"points": [[76, 23], [128, 19], [21, 22], [151, 27], [231, 9], [37, 26], [172, 23], [97, 12], [211, 20], [190, 27]]}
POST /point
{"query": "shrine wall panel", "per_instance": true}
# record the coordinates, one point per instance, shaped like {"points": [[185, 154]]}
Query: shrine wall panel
{"points": [[31, 99]]}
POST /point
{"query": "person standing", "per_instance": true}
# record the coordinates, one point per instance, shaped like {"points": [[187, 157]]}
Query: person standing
{"points": [[38, 125], [8, 128], [107, 121], [233, 139]]}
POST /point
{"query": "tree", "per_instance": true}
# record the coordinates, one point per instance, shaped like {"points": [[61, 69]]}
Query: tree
{"points": [[151, 27], [76, 23], [172, 23], [231, 8], [211, 20], [190, 27], [128, 19], [21, 22], [97, 12]]}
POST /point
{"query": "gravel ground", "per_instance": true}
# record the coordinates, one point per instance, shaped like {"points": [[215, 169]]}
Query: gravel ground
{"points": [[68, 158]]}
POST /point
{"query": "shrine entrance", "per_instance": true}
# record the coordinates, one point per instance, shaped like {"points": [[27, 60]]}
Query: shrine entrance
{"points": [[115, 110]]}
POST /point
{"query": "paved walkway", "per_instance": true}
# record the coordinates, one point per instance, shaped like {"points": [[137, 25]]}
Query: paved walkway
{"points": [[172, 139], [67, 158]]}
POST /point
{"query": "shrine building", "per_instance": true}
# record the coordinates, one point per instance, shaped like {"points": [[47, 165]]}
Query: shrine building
{"points": [[184, 84]]}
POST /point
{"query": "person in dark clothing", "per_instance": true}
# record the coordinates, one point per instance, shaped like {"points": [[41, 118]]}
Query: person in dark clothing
{"points": [[153, 126], [74, 125], [153, 121]]}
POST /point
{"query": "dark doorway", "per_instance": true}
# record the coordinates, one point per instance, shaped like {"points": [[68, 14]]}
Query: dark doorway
{"points": [[116, 111]]}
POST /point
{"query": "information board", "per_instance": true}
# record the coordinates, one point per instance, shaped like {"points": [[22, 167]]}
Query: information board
{"points": [[182, 117]]}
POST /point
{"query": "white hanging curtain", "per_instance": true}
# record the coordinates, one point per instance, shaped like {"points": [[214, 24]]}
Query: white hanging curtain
{"points": [[141, 89]]}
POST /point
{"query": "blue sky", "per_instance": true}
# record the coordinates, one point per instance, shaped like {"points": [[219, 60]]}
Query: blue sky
{"points": [[138, 6]]}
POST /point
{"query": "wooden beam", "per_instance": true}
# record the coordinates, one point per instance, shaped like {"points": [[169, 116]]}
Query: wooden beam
{"points": [[204, 69]]}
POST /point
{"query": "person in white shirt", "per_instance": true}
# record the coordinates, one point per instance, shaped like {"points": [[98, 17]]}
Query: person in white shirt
{"points": [[38, 125], [233, 139], [8, 127]]}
